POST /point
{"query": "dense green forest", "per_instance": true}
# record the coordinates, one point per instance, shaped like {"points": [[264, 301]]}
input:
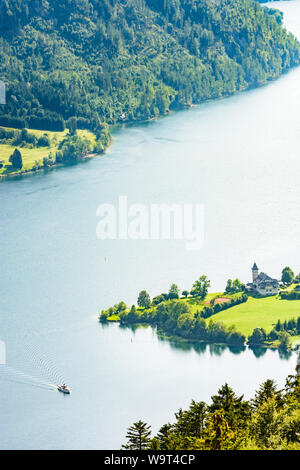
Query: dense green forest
{"points": [[106, 61], [271, 420]]}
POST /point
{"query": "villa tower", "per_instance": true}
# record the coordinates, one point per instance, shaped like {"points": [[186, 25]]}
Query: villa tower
{"points": [[262, 284], [254, 272]]}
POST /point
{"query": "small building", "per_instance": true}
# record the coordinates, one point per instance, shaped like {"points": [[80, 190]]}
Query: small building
{"points": [[262, 284]]}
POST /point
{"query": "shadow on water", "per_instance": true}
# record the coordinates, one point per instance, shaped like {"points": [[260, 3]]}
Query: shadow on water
{"points": [[258, 351], [134, 327], [200, 347]]}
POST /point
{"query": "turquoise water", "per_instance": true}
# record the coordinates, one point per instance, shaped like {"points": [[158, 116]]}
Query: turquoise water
{"points": [[239, 157]]}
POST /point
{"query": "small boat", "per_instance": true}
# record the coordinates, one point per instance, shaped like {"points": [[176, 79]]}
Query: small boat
{"points": [[64, 389]]}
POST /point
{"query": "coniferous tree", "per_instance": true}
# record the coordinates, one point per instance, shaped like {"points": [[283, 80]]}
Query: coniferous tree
{"points": [[16, 159], [164, 436], [236, 409], [266, 391], [138, 436]]}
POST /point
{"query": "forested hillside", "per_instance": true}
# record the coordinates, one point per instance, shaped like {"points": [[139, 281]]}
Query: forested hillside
{"points": [[111, 60]]}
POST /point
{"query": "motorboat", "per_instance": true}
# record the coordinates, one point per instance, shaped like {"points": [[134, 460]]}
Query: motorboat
{"points": [[64, 389]]}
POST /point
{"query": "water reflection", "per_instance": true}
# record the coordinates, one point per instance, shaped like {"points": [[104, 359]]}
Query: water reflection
{"points": [[201, 347], [285, 354], [258, 351]]}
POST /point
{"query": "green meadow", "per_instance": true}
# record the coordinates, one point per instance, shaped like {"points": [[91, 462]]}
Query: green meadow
{"points": [[259, 313], [31, 156]]}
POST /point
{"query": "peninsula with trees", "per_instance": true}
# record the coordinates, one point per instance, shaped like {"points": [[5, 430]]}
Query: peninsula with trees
{"points": [[237, 316]]}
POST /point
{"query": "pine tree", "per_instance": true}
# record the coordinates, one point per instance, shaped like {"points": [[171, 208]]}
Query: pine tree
{"points": [[138, 436], [266, 391], [266, 424], [163, 436], [16, 159], [191, 422], [236, 410]]}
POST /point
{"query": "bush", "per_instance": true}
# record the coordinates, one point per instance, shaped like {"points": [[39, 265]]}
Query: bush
{"points": [[103, 316], [44, 141], [73, 148], [258, 336], [218, 307], [158, 299], [236, 338], [48, 161], [284, 339], [273, 335], [290, 295]]}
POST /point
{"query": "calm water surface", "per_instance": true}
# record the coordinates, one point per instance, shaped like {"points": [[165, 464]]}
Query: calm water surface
{"points": [[239, 157]]}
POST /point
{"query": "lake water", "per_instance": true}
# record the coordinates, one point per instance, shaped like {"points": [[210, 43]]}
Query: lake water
{"points": [[239, 157]]}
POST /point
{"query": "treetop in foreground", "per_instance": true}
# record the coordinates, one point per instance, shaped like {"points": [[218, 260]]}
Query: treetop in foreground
{"points": [[270, 421]]}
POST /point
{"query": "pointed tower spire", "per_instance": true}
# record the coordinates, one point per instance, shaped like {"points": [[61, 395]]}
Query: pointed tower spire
{"points": [[254, 272]]}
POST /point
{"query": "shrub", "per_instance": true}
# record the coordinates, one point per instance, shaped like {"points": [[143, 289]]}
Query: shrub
{"points": [[258, 336], [158, 299], [44, 141], [236, 338]]}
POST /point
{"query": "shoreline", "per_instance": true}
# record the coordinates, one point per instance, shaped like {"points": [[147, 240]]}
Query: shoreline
{"points": [[19, 175], [131, 123], [231, 331], [170, 337]]}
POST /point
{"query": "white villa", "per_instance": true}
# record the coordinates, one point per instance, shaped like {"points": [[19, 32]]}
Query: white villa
{"points": [[262, 284]]}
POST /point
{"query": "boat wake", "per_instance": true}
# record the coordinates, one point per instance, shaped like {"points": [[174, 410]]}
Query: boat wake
{"points": [[9, 374]]}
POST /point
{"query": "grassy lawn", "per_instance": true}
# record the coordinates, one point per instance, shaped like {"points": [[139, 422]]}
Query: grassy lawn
{"points": [[259, 313], [295, 340], [255, 313], [196, 304], [30, 156]]}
